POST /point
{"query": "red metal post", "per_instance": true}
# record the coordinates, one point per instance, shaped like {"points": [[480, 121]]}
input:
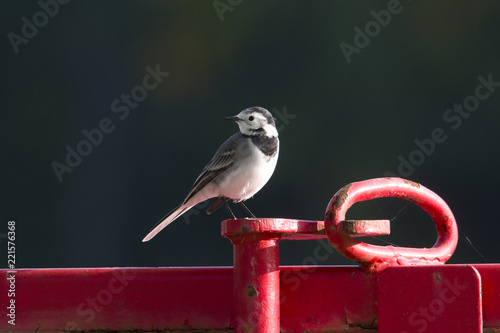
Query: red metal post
{"points": [[256, 284], [256, 268], [256, 278]]}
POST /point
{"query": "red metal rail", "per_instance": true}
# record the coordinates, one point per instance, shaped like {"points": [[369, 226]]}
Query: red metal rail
{"points": [[393, 290]]}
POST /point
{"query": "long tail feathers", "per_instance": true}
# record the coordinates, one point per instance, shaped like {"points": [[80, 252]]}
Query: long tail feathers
{"points": [[166, 220]]}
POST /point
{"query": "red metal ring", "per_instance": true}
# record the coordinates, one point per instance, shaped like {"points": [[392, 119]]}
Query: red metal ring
{"points": [[375, 256]]}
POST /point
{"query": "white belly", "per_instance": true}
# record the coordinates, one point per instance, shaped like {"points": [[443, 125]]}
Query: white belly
{"points": [[247, 177]]}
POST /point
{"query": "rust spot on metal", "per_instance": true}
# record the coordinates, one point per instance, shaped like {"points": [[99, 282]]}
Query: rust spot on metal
{"points": [[443, 227], [251, 291], [410, 199], [437, 276], [329, 216], [409, 182], [341, 196], [364, 228], [352, 323]]}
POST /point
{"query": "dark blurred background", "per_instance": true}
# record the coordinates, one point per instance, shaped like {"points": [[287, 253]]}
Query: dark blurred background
{"points": [[349, 107]]}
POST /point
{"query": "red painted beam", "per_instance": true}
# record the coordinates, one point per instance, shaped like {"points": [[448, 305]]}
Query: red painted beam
{"points": [[184, 299], [317, 298], [328, 299], [119, 299], [432, 299], [490, 283]]}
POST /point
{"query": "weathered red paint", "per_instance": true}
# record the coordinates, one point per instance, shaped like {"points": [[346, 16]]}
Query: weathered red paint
{"points": [[260, 296], [256, 282], [378, 257], [256, 268], [118, 299], [364, 228]]}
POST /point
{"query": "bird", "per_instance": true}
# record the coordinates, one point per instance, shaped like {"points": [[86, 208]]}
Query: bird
{"points": [[241, 166]]}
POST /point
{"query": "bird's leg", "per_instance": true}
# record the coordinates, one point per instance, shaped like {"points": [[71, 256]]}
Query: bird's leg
{"points": [[224, 200], [248, 210]]}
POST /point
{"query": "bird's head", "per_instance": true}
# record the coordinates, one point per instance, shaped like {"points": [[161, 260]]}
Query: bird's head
{"points": [[255, 121]]}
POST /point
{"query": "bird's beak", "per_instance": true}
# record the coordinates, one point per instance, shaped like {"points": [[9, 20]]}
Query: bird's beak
{"points": [[233, 118]]}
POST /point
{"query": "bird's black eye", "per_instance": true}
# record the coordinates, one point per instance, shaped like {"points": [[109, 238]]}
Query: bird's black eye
{"points": [[251, 118]]}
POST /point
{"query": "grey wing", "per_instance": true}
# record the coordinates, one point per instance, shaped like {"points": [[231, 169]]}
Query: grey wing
{"points": [[222, 160]]}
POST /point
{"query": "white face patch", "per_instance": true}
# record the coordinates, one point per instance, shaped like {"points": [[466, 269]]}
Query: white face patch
{"points": [[254, 123]]}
